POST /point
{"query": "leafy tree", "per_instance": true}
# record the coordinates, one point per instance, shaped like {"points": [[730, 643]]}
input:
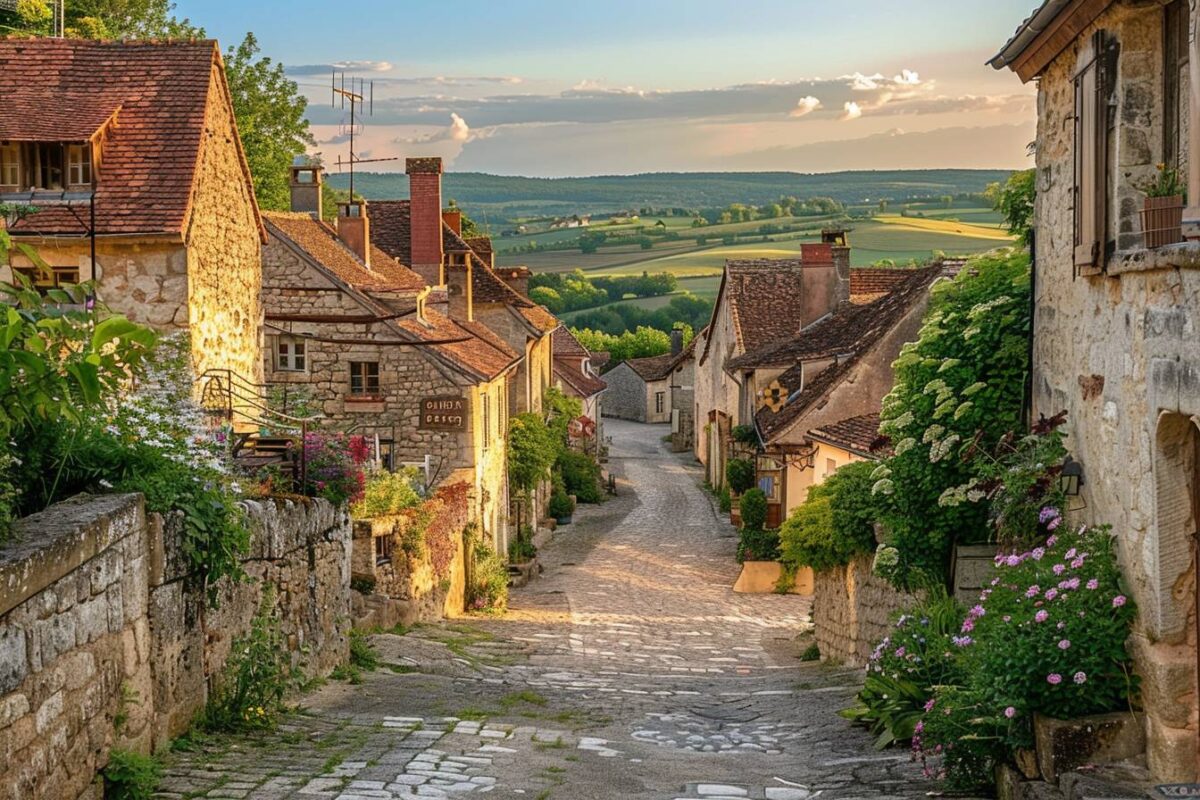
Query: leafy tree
{"points": [[102, 19], [835, 522], [545, 296], [532, 450], [957, 391], [270, 118], [1015, 200]]}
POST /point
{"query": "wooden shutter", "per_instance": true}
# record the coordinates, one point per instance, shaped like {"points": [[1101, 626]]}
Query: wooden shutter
{"points": [[1095, 81]]}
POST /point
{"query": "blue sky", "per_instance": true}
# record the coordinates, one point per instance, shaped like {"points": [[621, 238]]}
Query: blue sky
{"points": [[538, 88]]}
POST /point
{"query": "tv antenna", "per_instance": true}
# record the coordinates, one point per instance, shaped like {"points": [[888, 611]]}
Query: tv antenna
{"points": [[360, 92]]}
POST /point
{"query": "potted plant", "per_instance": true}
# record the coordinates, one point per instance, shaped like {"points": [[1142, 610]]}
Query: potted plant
{"points": [[1162, 214], [561, 507]]}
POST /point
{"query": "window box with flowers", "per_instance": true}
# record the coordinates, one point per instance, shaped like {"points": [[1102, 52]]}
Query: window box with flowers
{"points": [[1162, 212]]}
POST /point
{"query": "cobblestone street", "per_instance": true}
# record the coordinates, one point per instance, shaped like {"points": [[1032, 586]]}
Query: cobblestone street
{"points": [[629, 669]]}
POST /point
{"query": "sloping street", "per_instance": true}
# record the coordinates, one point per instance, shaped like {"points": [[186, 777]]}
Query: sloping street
{"points": [[629, 669]]}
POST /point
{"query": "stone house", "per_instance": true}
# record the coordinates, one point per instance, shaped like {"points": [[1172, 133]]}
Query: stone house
{"points": [[1115, 318], [683, 395], [354, 333], [130, 154], [639, 389], [420, 233], [843, 442], [759, 303], [575, 376], [832, 375]]}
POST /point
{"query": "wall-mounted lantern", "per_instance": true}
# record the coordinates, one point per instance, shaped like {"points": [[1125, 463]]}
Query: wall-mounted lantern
{"points": [[1070, 480]]}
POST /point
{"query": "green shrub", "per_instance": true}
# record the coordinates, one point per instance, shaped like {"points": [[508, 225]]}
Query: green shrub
{"points": [[835, 523], [752, 507], [724, 500], [248, 693], [532, 451], [756, 544], [521, 548], [333, 468], [581, 475], [957, 390], [488, 590], [561, 505], [362, 654], [740, 475], [960, 740], [386, 494], [745, 434], [130, 776]]}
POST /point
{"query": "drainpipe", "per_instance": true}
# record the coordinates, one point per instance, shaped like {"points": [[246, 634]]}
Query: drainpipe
{"points": [[1027, 401]]}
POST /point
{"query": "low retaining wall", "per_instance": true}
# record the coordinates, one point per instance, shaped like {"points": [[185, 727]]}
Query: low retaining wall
{"points": [[104, 642], [406, 588], [852, 610]]}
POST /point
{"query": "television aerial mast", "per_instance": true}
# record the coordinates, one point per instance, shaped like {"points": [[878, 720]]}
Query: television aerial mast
{"points": [[360, 92]]}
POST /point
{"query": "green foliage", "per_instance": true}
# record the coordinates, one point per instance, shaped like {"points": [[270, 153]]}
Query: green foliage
{"points": [[271, 123], [102, 19], [1167, 182], [740, 474], [642, 343], [387, 494], [684, 309], [752, 507], [957, 389], [811, 653], [724, 500], [130, 776], [1015, 200], [532, 451], [333, 467], [561, 505], [757, 544], [521, 548], [488, 589], [836, 521], [581, 475], [248, 693], [745, 434], [362, 654], [961, 740]]}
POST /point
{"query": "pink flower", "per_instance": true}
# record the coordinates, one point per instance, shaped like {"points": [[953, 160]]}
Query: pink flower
{"points": [[1080, 677], [1093, 584], [929, 706], [1118, 601], [1007, 618], [996, 580], [1038, 553], [978, 611], [1054, 679], [1064, 644], [1013, 560], [1053, 540], [1010, 712], [899, 652], [1059, 569], [1041, 616], [1051, 594], [1054, 523], [968, 625], [1070, 553], [1077, 563], [921, 723], [1033, 591]]}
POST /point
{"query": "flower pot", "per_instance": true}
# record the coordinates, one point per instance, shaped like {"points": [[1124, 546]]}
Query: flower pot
{"points": [[1162, 221], [563, 520]]}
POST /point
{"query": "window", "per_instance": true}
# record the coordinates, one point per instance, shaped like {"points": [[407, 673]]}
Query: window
{"points": [[79, 164], [1095, 78], [364, 378], [487, 419], [659, 402], [830, 466], [290, 354], [10, 165], [1175, 80], [58, 276], [767, 484], [384, 547]]}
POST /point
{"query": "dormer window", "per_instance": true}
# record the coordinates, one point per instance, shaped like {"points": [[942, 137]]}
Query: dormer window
{"points": [[50, 166]]}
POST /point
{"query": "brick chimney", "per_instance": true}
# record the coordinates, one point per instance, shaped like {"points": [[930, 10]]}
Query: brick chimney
{"points": [[826, 282], [306, 190], [454, 220], [676, 341], [516, 277], [354, 228], [458, 288], [425, 227]]}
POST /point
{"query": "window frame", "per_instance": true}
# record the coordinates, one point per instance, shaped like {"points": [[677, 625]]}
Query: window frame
{"points": [[1094, 86], [297, 351], [486, 419], [10, 161], [367, 381], [79, 160], [1176, 57], [660, 402]]}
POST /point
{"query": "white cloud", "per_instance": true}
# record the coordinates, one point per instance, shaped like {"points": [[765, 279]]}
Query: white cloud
{"points": [[907, 77], [459, 131], [851, 111], [864, 83], [805, 105]]}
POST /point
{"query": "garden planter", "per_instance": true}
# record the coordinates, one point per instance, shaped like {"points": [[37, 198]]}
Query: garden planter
{"points": [[1162, 221], [760, 577], [1065, 745], [563, 520], [974, 566]]}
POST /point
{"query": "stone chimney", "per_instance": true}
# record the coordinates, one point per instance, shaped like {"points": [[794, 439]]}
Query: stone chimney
{"points": [[826, 283], [306, 190], [676, 341], [516, 277], [425, 226], [454, 220], [458, 289], [354, 228]]}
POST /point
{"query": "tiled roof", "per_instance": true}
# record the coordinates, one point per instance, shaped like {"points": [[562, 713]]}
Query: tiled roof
{"points": [[875, 280], [860, 329], [564, 343], [391, 226], [653, 368], [469, 344], [482, 245], [61, 89], [600, 358], [855, 434], [320, 241], [849, 329], [764, 297], [568, 370]]}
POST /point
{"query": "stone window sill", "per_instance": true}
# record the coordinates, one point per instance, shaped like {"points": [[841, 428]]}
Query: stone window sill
{"points": [[1175, 256]]}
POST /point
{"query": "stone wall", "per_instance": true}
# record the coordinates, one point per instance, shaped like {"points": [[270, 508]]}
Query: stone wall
{"points": [[103, 643], [683, 406], [1118, 351], [625, 397], [407, 588], [852, 611]]}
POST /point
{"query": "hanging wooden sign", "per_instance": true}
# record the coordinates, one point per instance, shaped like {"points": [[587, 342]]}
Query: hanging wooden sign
{"points": [[443, 414]]}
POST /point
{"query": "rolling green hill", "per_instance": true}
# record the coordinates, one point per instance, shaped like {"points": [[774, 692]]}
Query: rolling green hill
{"points": [[507, 197]]}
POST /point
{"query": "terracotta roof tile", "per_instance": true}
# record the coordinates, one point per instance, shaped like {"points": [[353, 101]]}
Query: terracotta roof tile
{"points": [[875, 280], [764, 297], [652, 368], [567, 369], [468, 344], [64, 89], [564, 343], [391, 228], [855, 434], [320, 240]]}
